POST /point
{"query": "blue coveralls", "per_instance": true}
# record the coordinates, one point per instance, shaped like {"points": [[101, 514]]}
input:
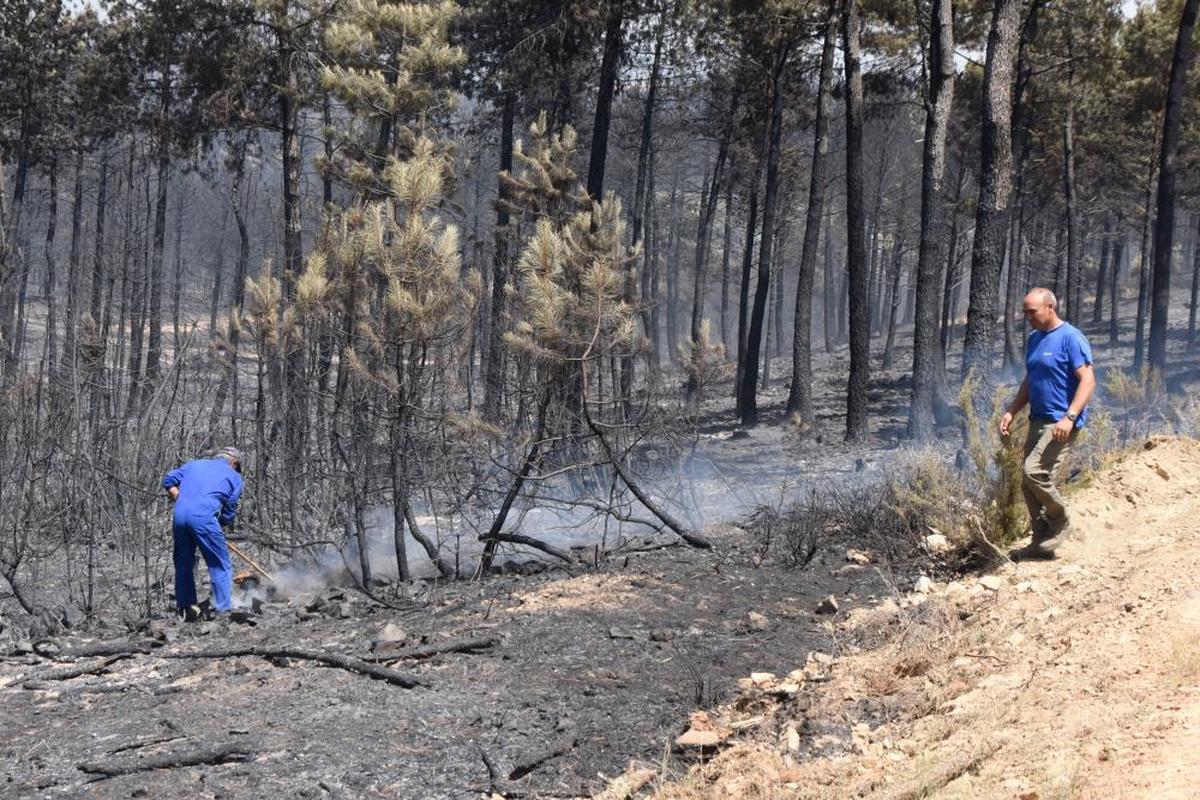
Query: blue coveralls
{"points": [[209, 490]]}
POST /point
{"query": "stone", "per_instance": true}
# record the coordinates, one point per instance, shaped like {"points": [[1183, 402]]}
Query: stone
{"points": [[662, 635], [695, 738], [937, 543], [391, 633], [818, 657], [857, 557], [620, 633], [923, 585], [991, 582], [762, 678], [23, 648], [758, 621], [791, 738], [828, 606]]}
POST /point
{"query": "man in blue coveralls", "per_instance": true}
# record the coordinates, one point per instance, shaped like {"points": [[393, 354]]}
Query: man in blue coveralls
{"points": [[206, 493], [1059, 381]]}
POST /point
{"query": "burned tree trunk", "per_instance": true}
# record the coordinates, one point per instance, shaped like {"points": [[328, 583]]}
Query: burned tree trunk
{"points": [[800, 399], [928, 355], [1164, 227], [494, 369], [856, 266], [749, 385], [995, 185]]}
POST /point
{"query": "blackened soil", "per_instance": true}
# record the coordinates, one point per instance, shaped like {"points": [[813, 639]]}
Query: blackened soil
{"points": [[612, 658]]}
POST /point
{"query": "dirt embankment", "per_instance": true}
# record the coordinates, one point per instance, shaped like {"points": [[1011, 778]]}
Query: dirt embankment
{"points": [[1078, 677]]}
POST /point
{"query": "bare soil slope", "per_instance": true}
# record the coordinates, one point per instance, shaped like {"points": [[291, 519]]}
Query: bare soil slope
{"points": [[1078, 677]]}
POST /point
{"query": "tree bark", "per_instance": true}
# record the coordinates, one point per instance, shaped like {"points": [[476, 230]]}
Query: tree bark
{"points": [[928, 357], [856, 264], [1102, 272], [1164, 226], [1195, 288], [640, 203], [995, 185], [749, 386], [744, 289], [1068, 307], [828, 299], [50, 286], [1114, 295], [494, 370], [708, 213], [727, 244], [894, 305], [800, 396], [1145, 259], [604, 98]]}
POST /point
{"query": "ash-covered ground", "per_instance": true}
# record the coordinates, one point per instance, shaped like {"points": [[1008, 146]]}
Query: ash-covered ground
{"points": [[586, 674]]}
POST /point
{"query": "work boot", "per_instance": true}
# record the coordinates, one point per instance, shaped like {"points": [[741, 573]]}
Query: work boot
{"points": [[1042, 542], [191, 613], [1057, 532]]}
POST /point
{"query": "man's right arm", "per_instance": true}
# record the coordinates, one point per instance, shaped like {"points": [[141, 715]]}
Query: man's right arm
{"points": [[1019, 402], [171, 482]]}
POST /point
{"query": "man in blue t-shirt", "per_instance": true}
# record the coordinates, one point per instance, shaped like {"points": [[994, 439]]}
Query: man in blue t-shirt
{"points": [[1059, 381], [206, 493]]}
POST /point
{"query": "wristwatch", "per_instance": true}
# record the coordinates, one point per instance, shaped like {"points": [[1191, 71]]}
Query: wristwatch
{"points": [[1071, 415]]}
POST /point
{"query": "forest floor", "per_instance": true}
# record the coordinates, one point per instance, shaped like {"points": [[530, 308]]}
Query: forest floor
{"points": [[1078, 677]]}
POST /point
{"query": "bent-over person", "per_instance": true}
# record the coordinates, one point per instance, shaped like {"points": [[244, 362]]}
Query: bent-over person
{"points": [[206, 493]]}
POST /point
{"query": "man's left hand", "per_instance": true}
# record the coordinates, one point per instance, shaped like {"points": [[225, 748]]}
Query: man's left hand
{"points": [[1062, 430]]}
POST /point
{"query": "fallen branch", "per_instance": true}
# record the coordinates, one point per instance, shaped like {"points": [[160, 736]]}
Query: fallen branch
{"points": [[348, 663], [111, 648], [983, 537], [668, 519], [536, 544], [42, 680], [534, 760], [473, 645], [208, 755]]}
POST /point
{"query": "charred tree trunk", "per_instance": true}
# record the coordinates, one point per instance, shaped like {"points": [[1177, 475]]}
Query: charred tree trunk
{"points": [[928, 350], [1164, 226], [71, 323], [1114, 294], [50, 286], [894, 305], [992, 208], [494, 369], [1102, 272], [800, 398], [856, 263], [744, 289], [1074, 282], [749, 385], [1144, 262], [727, 244], [154, 338], [828, 292], [608, 82], [708, 212], [1195, 287], [640, 202]]}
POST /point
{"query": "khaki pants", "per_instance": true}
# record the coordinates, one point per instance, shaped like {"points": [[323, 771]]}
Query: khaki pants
{"points": [[1044, 458]]}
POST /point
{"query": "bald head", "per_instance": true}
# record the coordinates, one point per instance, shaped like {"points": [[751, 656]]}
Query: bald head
{"points": [[1041, 309]]}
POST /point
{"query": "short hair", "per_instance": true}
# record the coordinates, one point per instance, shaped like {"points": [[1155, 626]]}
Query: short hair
{"points": [[1045, 295]]}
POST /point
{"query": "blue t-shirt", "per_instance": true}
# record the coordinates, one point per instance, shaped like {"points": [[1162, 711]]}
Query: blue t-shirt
{"points": [[1051, 359], [208, 488]]}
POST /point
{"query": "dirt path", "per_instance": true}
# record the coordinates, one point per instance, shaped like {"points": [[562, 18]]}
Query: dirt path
{"points": [[1078, 677]]}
